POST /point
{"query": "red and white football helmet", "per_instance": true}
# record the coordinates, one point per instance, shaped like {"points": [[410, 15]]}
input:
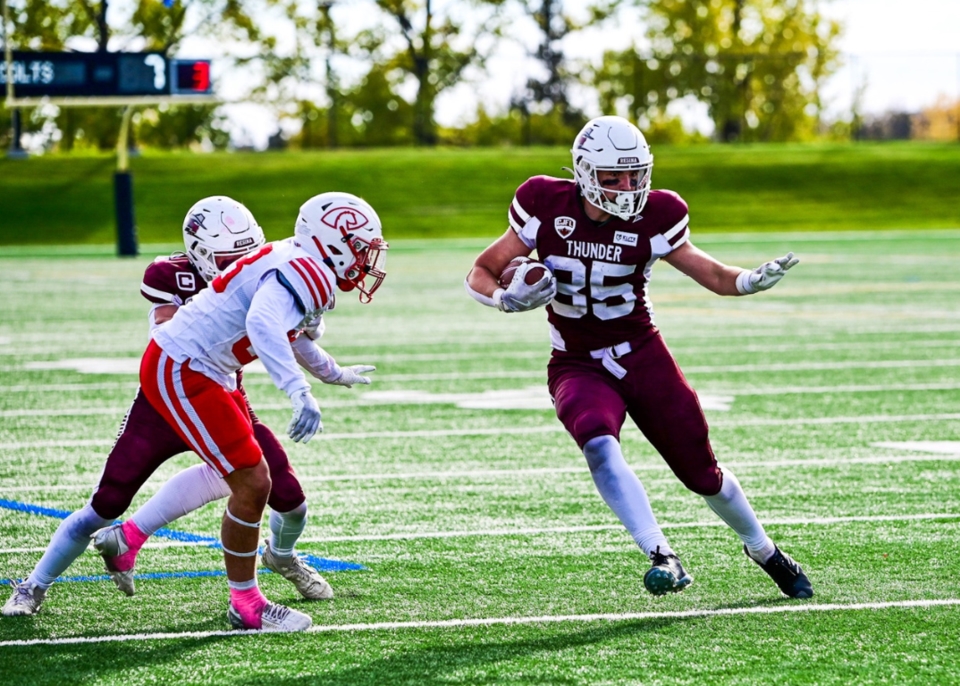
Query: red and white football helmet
{"points": [[612, 144], [218, 230], [345, 232]]}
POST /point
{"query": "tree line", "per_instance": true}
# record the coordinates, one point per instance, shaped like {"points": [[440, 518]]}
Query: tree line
{"points": [[370, 72]]}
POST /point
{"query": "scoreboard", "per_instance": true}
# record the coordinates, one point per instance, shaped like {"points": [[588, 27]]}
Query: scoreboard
{"points": [[105, 74]]}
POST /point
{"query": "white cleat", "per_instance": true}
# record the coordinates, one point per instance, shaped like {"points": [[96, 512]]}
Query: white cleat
{"points": [[111, 542], [25, 600], [273, 617], [306, 579]]}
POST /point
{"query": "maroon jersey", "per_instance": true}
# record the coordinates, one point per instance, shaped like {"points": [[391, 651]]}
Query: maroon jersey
{"points": [[603, 269], [174, 281], [171, 281]]}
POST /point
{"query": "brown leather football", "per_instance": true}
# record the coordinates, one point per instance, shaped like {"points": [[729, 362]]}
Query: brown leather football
{"points": [[535, 273]]}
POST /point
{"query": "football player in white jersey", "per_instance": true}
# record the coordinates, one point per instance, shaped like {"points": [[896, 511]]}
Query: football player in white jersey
{"points": [[146, 440], [600, 235], [255, 309]]}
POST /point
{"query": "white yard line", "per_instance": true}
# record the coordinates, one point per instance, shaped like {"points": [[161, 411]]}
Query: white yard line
{"points": [[690, 369], [539, 531], [548, 428], [359, 400], [788, 521], [943, 456], [512, 621]]}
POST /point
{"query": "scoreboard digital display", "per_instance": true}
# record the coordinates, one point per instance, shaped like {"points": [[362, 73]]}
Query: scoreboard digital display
{"points": [[91, 74]]}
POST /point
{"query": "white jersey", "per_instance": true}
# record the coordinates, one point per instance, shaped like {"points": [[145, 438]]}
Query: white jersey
{"points": [[253, 309]]}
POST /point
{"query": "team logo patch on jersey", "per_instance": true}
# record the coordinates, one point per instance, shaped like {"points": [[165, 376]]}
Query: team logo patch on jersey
{"points": [[186, 281], [625, 238], [564, 226]]}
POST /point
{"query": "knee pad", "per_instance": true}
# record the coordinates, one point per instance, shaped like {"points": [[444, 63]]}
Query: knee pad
{"points": [[704, 482], [591, 425], [286, 494]]}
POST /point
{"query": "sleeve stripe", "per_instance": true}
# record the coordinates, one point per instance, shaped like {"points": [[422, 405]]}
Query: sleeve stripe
{"points": [[314, 280], [514, 224], [679, 240], [522, 213], [301, 272], [153, 292], [678, 227], [320, 279]]}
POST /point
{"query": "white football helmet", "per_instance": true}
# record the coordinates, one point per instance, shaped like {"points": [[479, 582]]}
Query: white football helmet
{"points": [[346, 233], [216, 231], [612, 144]]}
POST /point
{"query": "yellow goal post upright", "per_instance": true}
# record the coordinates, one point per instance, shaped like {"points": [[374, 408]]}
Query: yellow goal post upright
{"points": [[103, 79]]}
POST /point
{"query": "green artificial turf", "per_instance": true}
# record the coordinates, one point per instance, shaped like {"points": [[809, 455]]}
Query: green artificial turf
{"points": [[488, 556]]}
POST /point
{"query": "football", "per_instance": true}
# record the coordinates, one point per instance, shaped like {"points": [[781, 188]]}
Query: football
{"points": [[536, 272]]}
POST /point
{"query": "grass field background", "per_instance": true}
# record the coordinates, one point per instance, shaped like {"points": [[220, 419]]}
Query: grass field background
{"points": [[463, 193], [488, 555]]}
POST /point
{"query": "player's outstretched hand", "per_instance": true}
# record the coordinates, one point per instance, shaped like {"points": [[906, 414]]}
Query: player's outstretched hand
{"points": [[767, 275], [306, 417], [520, 296], [353, 374]]}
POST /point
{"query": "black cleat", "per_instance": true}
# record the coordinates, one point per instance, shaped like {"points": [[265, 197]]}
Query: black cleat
{"points": [[786, 573], [666, 575]]}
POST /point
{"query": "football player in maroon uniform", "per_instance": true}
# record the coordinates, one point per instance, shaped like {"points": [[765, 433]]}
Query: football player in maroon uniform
{"points": [[600, 235], [217, 231]]}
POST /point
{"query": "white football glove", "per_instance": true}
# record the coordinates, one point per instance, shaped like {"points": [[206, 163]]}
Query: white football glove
{"points": [[520, 296], [766, 275], [306, 417], [352, 374]]}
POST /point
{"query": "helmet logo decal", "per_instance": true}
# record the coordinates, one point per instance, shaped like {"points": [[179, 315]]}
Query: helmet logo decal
{"points": [[629, 160], [584, 137], [345, 219], [564, 226], [195, 223]]}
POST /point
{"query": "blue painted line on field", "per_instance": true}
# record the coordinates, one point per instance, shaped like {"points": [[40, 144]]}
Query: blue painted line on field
{"points": [[171, 534], [321, 564]]}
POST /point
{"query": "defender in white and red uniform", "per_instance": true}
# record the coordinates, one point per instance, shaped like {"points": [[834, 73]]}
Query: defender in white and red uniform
{"points": [[216, 231], [256, 308], [600, 235]]}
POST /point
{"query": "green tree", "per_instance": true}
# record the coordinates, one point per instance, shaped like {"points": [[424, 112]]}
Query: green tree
{"points": [[434, 51], [758, 65]]}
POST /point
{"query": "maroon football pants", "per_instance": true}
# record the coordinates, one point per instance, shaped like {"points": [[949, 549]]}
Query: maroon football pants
{"points": [[592, 402], [146, 441]]}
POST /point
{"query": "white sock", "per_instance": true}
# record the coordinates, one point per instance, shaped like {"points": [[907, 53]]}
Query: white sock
{"points": [[623, 493], [285, 529], [69, 541], [183, 493], [731, 506]]}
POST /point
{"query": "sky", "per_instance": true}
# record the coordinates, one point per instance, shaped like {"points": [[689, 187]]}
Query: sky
{"points": [[905, 52]]}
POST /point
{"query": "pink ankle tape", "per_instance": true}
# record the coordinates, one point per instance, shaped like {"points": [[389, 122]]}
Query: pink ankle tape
{"points": [[135, 540], [249, 603]]}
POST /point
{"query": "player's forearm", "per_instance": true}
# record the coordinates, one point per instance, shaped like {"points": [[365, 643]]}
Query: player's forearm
{"points": [[316, 360], [482, 281]]}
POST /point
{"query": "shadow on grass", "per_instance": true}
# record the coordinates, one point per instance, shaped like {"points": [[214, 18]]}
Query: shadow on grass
{"points": [[254, 661]]}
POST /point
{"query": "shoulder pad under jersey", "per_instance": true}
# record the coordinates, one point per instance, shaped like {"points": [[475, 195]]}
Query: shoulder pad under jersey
{"points": [[170, 280]]}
